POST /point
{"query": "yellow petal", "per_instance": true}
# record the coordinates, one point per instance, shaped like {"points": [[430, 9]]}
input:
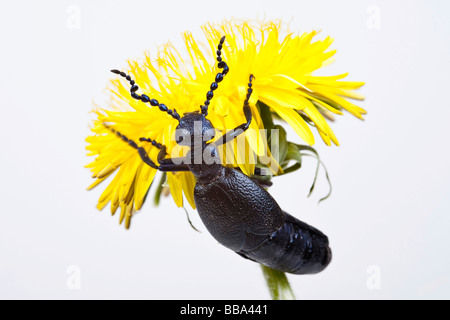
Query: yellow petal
{"points": [[143, 182], [255, 140], [222, 106], [245, 156], [350, 107], [283, 98], [319, 120], [294, 119], [188, 183], [175, 189], [284, 81]]}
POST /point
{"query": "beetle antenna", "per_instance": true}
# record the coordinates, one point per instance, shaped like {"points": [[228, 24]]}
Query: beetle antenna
{"points": [[249, 90], [219, 77], [144, 98]]}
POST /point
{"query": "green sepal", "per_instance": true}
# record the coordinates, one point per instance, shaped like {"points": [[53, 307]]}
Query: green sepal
{"points": [[282, 143]]}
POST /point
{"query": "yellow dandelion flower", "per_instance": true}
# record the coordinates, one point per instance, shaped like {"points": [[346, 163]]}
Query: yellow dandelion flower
{"points": [[283, 66]]}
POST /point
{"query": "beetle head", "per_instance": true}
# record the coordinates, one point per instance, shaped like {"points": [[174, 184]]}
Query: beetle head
{"points": [[194, 129]]}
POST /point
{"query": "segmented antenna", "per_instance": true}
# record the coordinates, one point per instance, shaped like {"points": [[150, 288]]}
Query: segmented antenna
{"points": [[249, 90], [219, 77], [144, 98], [124, 138]]}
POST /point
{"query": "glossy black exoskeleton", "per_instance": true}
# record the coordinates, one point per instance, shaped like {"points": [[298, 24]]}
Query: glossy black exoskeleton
{"points": [[237, 211]]}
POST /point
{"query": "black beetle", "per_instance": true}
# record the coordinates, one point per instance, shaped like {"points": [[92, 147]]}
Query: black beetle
{"points": [[237, 211]]}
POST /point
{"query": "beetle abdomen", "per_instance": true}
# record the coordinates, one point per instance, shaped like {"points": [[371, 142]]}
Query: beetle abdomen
{"points": [[232, 204], [244, 217], [294, 248]]}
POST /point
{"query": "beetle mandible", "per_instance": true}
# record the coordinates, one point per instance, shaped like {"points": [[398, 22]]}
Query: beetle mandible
{"points": [[238, 212]]}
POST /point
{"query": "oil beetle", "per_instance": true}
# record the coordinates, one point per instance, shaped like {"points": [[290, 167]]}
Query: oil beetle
{"points": [[237, 211]]}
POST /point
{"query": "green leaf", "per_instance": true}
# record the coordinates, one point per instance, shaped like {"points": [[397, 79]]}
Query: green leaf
{"points": [[190, 222], [277, 284], [292, 154], [292, 168], [319, 162], [295, 153], [315, 155], [302, 147], [329, 183]]}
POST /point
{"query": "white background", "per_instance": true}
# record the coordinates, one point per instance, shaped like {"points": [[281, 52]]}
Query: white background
{"points": [[391, 201]]}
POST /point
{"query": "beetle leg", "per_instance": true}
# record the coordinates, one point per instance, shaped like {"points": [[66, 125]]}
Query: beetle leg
{"points": [[232, 134], [165, 164]]}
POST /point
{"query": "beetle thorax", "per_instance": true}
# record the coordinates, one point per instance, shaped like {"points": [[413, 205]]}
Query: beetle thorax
{"points": [[205, 162]]}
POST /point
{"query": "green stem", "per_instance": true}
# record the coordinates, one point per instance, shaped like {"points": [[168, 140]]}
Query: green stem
{"points": [[278, 284]]}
